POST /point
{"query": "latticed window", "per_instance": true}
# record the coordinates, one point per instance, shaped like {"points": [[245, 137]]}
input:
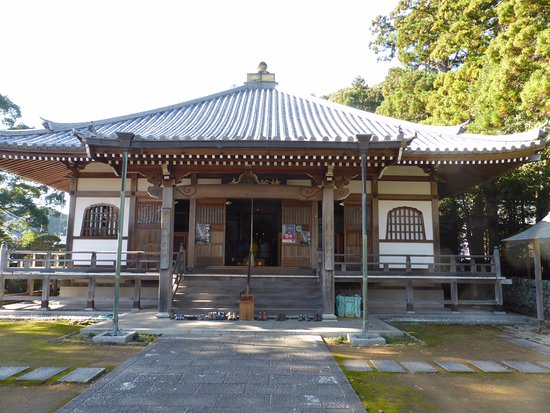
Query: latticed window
{"points": [[100, 221], [405, 224]]}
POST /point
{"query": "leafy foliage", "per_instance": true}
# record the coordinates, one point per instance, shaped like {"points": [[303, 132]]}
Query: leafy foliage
{"points": [[24, 205], [482, 61], [359, 95], [9, 111]]}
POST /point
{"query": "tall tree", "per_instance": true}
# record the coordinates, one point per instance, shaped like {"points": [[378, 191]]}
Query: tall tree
{"points": [[359, 95], [406, 93], [488, 61], [9, 111], [24, 205]]}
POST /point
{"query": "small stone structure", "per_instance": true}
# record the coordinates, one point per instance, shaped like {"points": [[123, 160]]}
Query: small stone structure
{"points": [[520, 296]]}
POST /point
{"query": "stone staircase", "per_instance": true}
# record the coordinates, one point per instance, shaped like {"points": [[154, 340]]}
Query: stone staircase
{"points": [[293, 295]]}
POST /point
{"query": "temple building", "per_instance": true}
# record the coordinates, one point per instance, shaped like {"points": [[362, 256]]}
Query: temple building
{"points": [[255, 165]]}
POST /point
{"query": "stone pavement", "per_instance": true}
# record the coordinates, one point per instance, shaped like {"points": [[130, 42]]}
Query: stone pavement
{"points": [[421, 366], [224, 373]]}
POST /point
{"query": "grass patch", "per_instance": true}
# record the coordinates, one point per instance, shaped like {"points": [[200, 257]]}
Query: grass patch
{"points": [[54, 343], [441, 335], [379, 392]]}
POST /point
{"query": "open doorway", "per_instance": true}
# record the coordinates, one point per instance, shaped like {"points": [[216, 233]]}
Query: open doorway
{"points": [[266, 227]]}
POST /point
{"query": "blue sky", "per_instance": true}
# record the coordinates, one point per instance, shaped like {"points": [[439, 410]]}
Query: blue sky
{"points": [[72, 61]]}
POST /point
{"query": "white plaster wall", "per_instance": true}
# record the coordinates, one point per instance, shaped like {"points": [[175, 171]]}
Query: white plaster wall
{"points": [[412, 248], [107, 246], [404, 171], [355, 187], [423, 206], [103, 184], [404, 188], [84, 202]]}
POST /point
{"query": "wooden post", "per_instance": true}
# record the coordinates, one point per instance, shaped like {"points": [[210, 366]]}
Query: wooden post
{"points": [[71, 220], [192, 227], [498, 283], [45, 302], [314, 233], [454, 296], [90, 304], [192, 230], [539, 291], [435, 220], [137, 293], [166, 251], [328, 252], [132, 261], [93, 261], [375, 219], [3, 266], [410, 297], [3, 256]]}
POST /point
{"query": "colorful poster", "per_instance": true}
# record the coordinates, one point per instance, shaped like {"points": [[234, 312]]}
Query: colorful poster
{"points": [[289, 234]]}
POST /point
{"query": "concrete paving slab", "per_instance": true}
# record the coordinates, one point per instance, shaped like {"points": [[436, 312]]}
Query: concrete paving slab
{"points": [[544, 363], [6, 372], [357, 365], [41, 374], [541, 348], [525, 366], [387, 366], [247, 381], [82, 375], [454, 366], [488, 366], [418, 366]]}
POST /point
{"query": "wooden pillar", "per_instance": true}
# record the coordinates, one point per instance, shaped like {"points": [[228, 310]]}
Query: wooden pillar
{"points": [[90, 304], [314, 233], [435, 221], [4, 259], [166, 252], [137, 293], [454, 296], [328, 253], [70, 222], [539, 291], [45, 299], [375, 220], [410, 297], [131, 244], [192, 228], [498, 283]]}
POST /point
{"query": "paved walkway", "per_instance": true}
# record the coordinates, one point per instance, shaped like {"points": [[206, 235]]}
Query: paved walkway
{"points": [[224, 373]]}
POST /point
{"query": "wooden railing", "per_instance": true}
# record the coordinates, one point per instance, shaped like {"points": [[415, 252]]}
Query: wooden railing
{"points": [[45, 269], [408, 270], [387, 264]]}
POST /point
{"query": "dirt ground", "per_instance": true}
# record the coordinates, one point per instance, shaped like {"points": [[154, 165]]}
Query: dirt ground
{"points": [[49, 345], [450, 392]]}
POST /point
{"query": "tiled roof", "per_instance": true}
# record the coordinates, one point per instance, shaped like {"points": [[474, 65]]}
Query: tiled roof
{"points": [[261, 112]]}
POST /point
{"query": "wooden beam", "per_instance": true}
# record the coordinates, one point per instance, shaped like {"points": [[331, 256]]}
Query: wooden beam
{"points": [[246, 191]]}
